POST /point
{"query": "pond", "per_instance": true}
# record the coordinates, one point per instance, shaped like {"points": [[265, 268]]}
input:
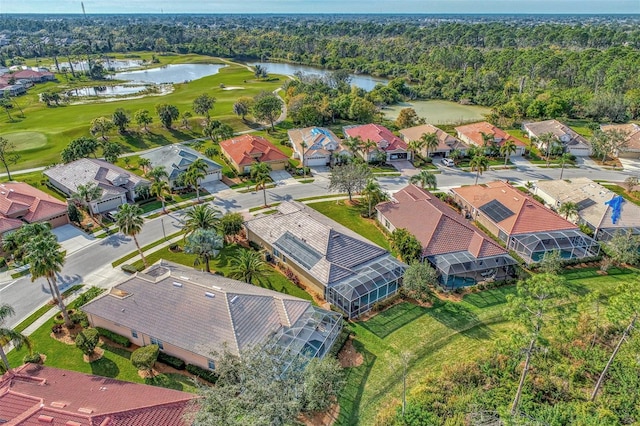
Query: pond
{"points": [[174, 73], [116, 90], [365, 82], [440, 112]]}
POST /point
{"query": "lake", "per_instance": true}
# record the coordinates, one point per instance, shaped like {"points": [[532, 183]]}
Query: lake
{"points": [[365, 82], [107, 90], [440, 112], [174, 73]]}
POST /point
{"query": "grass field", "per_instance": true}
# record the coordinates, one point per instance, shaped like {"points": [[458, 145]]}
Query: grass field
{"points": [[446, 332], [57, 126]]}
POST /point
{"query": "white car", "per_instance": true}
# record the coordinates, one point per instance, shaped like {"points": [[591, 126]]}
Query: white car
{"points": [[448, 162]]}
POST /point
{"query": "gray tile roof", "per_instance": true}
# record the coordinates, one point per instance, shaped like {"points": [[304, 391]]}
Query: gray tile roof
{"points": [[112, 179], [326, 249], [176, 158], [197, 311], [559, 130]]}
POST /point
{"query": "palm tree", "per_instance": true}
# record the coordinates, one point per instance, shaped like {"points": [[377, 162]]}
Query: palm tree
{"points": [[129, 221], [479, 164], [201, 216], [426, 179], [196, 171], [303, 146], [144, 164], [353, 144], [366, 147], [205, 244], [415, 146], [563, 160], [260, 175], [157, 173], [374, 194], [248, 266], [85, 194], [455, 155], [430, 141], [547, 140], [507, 148], [159, 189], [487, 138], [45, 259], [568, 209], [9, 335]]}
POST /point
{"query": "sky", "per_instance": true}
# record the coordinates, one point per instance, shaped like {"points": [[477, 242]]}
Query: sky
{"points": [[323, 6]]}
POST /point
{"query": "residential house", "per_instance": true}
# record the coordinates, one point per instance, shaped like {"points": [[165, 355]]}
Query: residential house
{"points": [[571, 141], [34, 76], [594, 206], [12, 89], [34, 394], [192, 314], [446, 142], [350, 271], [177, 158], [118, 186], [632, 148], [382, 140], [321, 145], [522, 223], [21, 203], [475, 133], [461, 253], [245, 150]]}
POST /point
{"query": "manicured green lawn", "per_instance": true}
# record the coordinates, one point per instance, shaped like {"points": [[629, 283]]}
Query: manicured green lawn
{"points": [[621, 191], [275, 281], [59, 125], [447, 332], [35, 179], [349, 216]]}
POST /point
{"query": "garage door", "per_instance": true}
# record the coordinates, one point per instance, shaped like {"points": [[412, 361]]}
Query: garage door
{"points": [[320, 161], [105, 206], [212, 177]]}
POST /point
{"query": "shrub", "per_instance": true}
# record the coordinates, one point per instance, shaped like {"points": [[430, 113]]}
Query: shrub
{"points": [[341, 340], [172, 361], [203, 373], [87, 340], [143, 358], [3, 262], [79, 317], [33, 358], [114, 337], [130, 268], [88, 295]]}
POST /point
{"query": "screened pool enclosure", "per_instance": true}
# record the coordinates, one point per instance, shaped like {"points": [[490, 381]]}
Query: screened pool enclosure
{"points": [[461, 269], [372, 282], [572, 244]]}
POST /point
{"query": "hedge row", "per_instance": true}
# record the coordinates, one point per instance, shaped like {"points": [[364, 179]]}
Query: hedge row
{"points": [[114, 337], [203, 373], [171, 361], [130, 268]]}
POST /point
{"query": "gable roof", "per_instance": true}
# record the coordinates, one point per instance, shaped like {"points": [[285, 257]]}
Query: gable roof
{"points": [[318, 140], [243, 150], [20, 200], [591, 198], [197, 311], [384, 139], [100, 172], [33, 395], [437, 226], [474, 132], [558, 129], [324, 248], [446, 142], [176, 158], [631, 129], [516, 213]]}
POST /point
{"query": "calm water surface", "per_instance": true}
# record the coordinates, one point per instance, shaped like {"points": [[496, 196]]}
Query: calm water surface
{"points": [[174, 73]]}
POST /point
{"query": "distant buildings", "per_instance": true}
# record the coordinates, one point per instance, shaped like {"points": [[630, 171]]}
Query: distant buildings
{"points": [[632, 148]]}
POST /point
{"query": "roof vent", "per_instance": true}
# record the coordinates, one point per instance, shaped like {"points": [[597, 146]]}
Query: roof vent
{"points": [[72, 423], [184, 278], [85, 410], [233, 299], [177, 284], [216, 287], [516, 198], [209, 295], [45, 419], [57, 404]]}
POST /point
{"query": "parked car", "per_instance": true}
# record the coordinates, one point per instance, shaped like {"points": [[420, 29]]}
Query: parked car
{"points": [[448, 162]]}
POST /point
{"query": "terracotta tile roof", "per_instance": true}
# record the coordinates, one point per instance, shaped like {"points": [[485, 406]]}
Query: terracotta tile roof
{"points": [[529, 215], [7, 224], [20, 200], [474, 132], [633, 134], [37, 395], [382, 136], [446, 142], [27, 74], [245, 148], [438, 227]]}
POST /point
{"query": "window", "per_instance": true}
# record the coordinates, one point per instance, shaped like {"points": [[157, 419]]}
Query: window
{"points": [[158, 342], [212, 365], [276, 253], [134, 334]]}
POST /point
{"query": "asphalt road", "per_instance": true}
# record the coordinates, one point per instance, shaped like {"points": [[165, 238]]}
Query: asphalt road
{"points": [[26, 296]]}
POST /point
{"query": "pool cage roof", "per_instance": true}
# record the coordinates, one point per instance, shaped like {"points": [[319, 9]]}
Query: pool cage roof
{"points": [[463, 262], [556, 240], [312, 335], [370, 277], [607, 233]]}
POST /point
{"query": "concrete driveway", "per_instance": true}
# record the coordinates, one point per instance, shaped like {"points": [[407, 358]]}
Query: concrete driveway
{"points": [[280, 175], [405, 167], [214, 187], [72, 238]]}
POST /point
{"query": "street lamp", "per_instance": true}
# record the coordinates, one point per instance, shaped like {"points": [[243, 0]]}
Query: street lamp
{"points": [[163, 231]]}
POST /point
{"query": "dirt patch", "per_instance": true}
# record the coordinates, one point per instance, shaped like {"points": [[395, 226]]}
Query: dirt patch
{"points": [[66, 335], [349, 357], [326, 418], [148, 374], [96, 355]]}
